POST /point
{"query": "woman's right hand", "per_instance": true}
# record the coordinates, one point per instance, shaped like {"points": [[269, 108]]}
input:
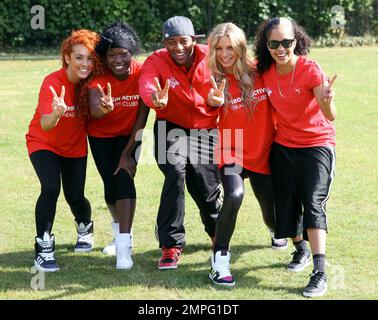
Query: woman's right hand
{"points": [[215, 97], [107, 104], [58, 105]]}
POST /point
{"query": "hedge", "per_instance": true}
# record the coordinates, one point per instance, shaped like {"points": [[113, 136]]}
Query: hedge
{"points": [[147, 16]]}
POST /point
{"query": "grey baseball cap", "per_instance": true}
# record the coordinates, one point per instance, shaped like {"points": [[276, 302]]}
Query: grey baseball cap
{"points": [[179, 26]]}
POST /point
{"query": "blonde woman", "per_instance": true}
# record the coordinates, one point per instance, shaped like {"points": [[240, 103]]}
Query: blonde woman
{"points": [[246, 134]]}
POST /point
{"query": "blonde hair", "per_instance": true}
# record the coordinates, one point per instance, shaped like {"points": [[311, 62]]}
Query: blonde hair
{"points": [[242, 69]]}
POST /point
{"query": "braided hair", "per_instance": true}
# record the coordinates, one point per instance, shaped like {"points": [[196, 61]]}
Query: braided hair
{"points": [[118, 35]]}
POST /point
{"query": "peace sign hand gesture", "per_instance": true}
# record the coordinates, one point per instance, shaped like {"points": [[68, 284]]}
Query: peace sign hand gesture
{"points": [[160, 96], [58, 105], [327, 92], [106, 99], [215, 97]]}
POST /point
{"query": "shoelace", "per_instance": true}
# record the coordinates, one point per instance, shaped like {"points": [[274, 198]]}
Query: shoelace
{"points": [[84, 238], [298, 255], [169, 253], [223, 268], [47, 256], [124, 254], [315, 278]]}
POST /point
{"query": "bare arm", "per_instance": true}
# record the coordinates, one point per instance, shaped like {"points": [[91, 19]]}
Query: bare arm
{"points": [[127, 161], [324, 95]]}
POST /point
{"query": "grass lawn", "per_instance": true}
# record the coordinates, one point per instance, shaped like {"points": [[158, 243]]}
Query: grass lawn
{"points": [[259, 271]]}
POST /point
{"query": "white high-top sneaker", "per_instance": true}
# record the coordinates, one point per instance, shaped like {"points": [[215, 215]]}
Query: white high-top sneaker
{"points": [[220, 272], [110, 249], [123, 251]]}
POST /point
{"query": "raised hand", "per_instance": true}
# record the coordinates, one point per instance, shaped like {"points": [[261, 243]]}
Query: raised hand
{"points": [[215, 97], [160, 96], [327, 92], [106, 99], [58, 105]]}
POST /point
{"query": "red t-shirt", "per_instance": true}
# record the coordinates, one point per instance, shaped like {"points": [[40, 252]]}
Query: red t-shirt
{"points": [[300, 121], [246, 138], [125, 95], [68, 137], [186, 103]]}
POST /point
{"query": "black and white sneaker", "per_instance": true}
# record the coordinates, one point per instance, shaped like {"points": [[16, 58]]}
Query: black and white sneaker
{"points": [[84, 241], [301, 259], [44, 253], [220, 272], [317, 286]]}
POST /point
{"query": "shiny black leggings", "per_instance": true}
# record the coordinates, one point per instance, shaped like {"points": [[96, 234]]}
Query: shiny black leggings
{"points": [[51, 169], [233, 186]]}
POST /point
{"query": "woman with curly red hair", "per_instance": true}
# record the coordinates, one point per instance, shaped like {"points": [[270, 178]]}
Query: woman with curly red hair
{"points": [[57, 145]]}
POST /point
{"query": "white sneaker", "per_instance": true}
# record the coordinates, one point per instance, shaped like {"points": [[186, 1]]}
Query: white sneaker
{"points": [[110, 249], [123, 251], [220, 272]]}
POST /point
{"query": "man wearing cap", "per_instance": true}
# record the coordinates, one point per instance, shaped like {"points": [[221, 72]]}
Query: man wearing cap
{"points": [[170, 83]]}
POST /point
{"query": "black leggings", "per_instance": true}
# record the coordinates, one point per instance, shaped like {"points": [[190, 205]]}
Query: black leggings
{"points": [[51, 169], [233, 186], [106, 154]]}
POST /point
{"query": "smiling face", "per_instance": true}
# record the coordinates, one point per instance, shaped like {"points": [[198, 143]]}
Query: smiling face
{"points": [[181, 50], [283, 56], [80, 63], [225, 54], [118, 61]]}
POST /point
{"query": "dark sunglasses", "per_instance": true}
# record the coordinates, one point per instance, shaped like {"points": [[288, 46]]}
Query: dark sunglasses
{"points": [[286, 43]]}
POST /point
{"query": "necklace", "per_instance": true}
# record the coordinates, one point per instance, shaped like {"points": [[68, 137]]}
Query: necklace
{"points": [[291, 82]]}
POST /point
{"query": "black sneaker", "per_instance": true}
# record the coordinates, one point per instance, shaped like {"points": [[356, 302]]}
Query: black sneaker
{"points": [[44, 253], [84, 241], [317, 285], [301, 259]]}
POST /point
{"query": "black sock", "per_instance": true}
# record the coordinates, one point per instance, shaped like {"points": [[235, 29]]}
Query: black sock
{"points": [[319, 262], [300, 245], [220, 248]]}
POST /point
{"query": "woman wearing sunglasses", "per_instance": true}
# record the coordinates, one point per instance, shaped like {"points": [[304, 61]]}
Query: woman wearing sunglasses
{"points": [[303, 153]]}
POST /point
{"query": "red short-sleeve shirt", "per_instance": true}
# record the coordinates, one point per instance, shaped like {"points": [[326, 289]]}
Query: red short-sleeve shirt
{"points": [[300, 121], [245, 138], [68, 137], [125, 94]]}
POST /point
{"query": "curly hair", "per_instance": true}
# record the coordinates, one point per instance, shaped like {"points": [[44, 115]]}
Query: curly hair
{"points": [[242, 68], [262, 54], [89, 39], [118, 35]]}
